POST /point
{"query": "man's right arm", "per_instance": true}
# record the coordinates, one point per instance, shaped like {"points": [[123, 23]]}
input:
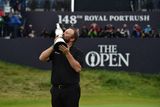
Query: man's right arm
{"points": [[44, 56]]}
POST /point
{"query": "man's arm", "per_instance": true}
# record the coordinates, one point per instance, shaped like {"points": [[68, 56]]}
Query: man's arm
{"points": [[44, 56], [73, 62]]}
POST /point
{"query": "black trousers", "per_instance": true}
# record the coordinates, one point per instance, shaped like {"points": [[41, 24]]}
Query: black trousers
{"points": [[67, 96]]}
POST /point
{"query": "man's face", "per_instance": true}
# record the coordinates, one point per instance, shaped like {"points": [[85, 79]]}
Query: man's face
{"points": [[68, 35]]}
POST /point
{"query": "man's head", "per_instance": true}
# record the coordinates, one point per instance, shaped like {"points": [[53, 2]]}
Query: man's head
{"points": [[70, 35]]}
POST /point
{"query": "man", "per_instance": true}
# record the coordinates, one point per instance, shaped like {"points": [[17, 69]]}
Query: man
{"points": [[66, 67]]}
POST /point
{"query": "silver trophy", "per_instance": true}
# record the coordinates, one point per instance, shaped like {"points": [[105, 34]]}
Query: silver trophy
{"points": [[59, 38]]}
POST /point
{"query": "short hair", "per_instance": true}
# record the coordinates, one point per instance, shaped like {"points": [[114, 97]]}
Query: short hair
{"points": [[75, 33]]}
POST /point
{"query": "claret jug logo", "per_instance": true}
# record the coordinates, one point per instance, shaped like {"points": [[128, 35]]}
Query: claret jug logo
{"points": [[107, 56]]}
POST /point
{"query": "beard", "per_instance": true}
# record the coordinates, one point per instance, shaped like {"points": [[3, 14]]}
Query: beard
{"points": [[66, 39]]}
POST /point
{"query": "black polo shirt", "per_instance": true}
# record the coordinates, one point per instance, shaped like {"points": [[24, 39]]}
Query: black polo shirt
{"points": [[62, 72]]}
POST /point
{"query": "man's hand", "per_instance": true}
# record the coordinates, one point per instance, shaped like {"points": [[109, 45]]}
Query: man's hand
{"points": [[64, 49], [73, 62]]}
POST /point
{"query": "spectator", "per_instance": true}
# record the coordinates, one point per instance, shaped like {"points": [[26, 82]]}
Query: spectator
{"points": [[17, 6], [45, 33], [6, 27], [83, 31], [158, 5], [1, 4], [23, 5], [109, 31], [1, 22], [147, 31], [7, 7], [32, 34], [21, 31], [2, 12], [132, 4], [27, 5], [125, 31], [93, 30], [137, 32], [11, 2], [149, 5], [29, 31], [47, 5], [1, 26], [33, 4], [155, 33], [118, 33], [14, 23], [60, 5], [53, 5]]}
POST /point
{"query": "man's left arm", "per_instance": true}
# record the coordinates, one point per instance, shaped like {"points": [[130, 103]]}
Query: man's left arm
{"points": [[73, 62]]}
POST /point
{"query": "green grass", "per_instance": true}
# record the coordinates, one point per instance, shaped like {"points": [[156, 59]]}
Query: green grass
{"points": [[22, 86]]}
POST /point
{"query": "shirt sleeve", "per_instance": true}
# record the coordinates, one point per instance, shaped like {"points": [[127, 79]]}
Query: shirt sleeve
{"points": [[50, 57], [80, 57]]}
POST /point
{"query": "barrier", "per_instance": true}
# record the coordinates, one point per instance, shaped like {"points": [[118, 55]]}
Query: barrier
{"points": [[137, 55], [47, 20]]}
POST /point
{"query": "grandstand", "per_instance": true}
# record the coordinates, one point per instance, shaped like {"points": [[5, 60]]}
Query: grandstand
{"points": [[108, 22], [132, 8]]}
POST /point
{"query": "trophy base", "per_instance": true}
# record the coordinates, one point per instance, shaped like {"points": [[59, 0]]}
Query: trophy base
{"points": [[56, 46]]}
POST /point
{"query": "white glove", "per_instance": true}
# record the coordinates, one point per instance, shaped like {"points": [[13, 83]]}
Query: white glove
{"points": [[58, 31]]}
